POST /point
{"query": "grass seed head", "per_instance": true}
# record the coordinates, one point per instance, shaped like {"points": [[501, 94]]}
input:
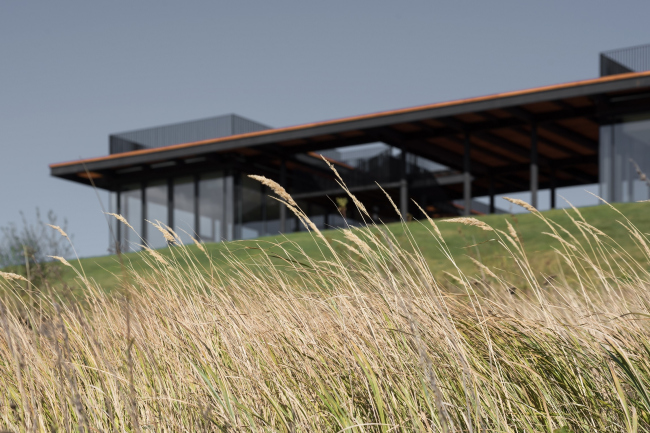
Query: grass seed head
{"points": [[164, 230], [469, 222], [121, 219], [61, 259], [11, 276], [521, 203], [275, 187], [59, 229]]}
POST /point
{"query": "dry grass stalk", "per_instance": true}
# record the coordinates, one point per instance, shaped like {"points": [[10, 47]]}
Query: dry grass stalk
{"points": [[314, 345], [341, 183], [315, 351]]}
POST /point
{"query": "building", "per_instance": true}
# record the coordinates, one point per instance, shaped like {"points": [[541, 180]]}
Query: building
{"points": [[192, 176]]}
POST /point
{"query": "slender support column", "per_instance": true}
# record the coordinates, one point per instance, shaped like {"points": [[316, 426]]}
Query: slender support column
{"points": [[403, 188], [631, 177], [170, 203], [467, 177], [403, 198], [283, 208], [553, 186], [612, 167], [145, 225], [118, 225], [197, 216], [491, 194], [228, 209], [263, 198], [239, 206], [534, 167]]}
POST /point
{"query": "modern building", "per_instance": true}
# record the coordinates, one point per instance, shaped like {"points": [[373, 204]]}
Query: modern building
{"points": [[192, 176]]}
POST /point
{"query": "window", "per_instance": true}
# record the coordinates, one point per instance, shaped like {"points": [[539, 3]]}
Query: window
{"points": [[620, 144], [252, 220], [131, 209], [156, 211], [215, 207], [184, 208]]}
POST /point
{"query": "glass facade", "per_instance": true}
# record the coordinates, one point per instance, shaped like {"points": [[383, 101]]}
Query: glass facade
{"points": [[252, 206], [184, 209], [113, 223], [621, 146], [272, 213], [156, 210], [211, 207], [131, 208], [215, 203], [175, 203]]}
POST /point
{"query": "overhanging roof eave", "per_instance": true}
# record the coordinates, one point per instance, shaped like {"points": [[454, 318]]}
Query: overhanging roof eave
{"points": [[445, 109]]}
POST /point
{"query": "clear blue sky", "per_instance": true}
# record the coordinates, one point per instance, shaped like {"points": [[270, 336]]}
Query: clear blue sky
{"points": [[71, 72]]}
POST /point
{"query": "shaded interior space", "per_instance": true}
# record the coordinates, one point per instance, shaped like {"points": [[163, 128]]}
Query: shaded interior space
{"points": [[192, 176]]}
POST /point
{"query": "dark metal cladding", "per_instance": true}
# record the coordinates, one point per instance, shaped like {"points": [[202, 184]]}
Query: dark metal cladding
{"points": [[184, 132]]}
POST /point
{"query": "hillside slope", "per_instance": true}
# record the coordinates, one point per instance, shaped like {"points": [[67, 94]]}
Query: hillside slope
{"points": [[462, 241]]}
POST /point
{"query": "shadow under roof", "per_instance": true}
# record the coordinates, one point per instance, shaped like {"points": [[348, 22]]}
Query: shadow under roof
{"points": [[566, 117]]}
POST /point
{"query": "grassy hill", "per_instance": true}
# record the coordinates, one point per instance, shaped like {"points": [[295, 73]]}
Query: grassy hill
{"points": [[462, 240]]}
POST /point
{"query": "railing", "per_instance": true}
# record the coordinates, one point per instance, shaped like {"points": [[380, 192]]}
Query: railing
{"points": [[383, 169], [624, 60]]}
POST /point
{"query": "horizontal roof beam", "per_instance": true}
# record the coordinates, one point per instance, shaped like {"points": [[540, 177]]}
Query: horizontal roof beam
{"points": [[556, 129]]}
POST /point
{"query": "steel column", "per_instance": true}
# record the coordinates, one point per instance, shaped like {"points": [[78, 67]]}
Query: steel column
{"points": [[197, 219], [491, 194], [118, 225], [552, 191], [467, 177], [263, 199], [170, 203], [143, 196], [225, 208], [403, 198], [283, 208], [612, 166], [239, 204], [403, 188], [534, 167]]}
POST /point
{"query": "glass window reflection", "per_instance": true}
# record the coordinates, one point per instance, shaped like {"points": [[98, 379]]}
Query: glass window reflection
{"points": [[156, 211], [184, 209], [131, 209]]}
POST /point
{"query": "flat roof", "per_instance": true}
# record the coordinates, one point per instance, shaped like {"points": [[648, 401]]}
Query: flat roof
{"points": [[568, 116]]}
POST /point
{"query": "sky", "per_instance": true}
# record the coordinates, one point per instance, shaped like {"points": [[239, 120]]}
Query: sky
{"points": [[72, 72]]}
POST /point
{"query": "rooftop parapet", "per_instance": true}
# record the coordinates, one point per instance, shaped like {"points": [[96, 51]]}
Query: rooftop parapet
{"points": [[184, 132]]}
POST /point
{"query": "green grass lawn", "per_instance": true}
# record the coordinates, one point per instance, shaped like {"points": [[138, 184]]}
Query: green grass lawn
{"points": [[462, 240]]}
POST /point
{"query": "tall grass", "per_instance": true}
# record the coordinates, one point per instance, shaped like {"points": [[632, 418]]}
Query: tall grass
{"points": [[365, 340]]}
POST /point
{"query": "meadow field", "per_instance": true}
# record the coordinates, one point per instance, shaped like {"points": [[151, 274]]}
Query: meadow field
{"points": [[106, 271], [527, 323]]}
